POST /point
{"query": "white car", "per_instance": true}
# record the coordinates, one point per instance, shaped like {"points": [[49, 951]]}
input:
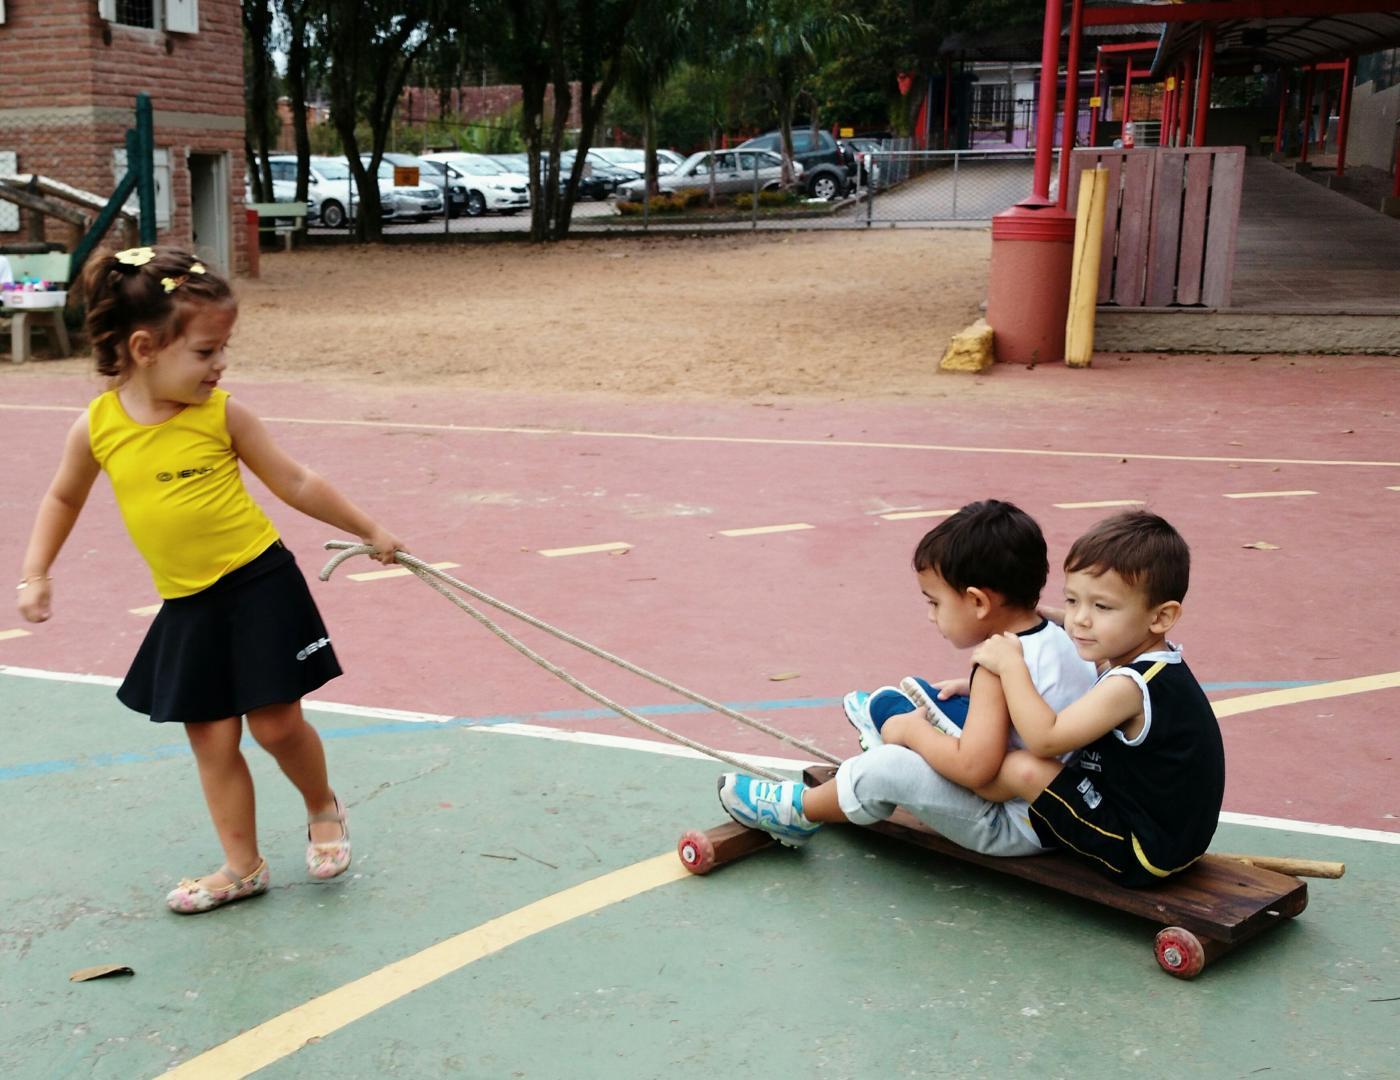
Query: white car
{"points": [[635, 158], [732, 171], [333, 198], [489, 185]]}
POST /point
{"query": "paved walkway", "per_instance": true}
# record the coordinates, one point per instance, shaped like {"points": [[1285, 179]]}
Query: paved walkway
{"points": [[1304, 248]]}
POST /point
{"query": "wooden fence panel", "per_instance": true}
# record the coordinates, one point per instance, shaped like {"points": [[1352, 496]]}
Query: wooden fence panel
{"points": [[1164, 242], [1193, 228], [1227, 184], [1130, 268]]}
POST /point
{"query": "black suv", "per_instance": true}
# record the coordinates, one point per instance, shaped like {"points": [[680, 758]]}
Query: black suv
{"points": [[828, 168]]}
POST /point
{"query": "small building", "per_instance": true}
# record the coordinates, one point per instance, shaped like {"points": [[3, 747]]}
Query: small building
{"points": [[69, 77]]}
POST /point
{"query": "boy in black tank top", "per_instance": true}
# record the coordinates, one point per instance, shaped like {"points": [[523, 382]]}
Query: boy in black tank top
{"points": [[1142, 800]]}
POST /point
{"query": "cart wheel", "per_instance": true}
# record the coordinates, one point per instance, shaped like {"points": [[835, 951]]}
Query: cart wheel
{"points": [[696, 852], [1179, 952]]}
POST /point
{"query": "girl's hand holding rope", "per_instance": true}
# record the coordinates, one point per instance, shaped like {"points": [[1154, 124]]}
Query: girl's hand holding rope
{"points": [[385, 545]]}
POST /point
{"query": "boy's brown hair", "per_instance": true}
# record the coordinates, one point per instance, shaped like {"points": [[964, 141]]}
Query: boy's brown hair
{"points": [[1142, 548]]}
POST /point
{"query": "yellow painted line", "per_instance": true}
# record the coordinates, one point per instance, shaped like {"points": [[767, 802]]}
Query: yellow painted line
{"points": [[6, 635], [274, 1039], [760, 530], [1272, 699], [1098, 505], [148, 610], [905, 515], [586, 549], [398, 571], [1265, 494], [758, 441], [1393, 487]]}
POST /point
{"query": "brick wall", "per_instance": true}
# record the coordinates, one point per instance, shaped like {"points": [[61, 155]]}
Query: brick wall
{"points": [[418, 103], [68, 84]]}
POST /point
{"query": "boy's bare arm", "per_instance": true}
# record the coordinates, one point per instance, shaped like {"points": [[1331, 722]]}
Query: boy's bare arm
{"points": [[1109, 704], [972, 760]]}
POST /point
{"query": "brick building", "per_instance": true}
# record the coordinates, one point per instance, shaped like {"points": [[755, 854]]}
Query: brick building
{"points": [[70, 71]]}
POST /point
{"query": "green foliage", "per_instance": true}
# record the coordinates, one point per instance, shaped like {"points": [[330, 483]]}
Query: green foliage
{"points": [[767, 200]]}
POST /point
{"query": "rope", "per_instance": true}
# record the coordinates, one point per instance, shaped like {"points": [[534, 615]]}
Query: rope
{"points": [[439, 581]]}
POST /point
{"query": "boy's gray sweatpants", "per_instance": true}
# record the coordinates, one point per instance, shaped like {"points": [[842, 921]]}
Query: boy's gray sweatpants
{"points": [[870, 786]]}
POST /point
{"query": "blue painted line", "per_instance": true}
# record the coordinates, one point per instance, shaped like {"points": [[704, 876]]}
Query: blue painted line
{"points": [[396, 727]]}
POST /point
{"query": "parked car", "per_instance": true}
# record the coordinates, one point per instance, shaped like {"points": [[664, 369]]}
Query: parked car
{"points": [[434, 173], [732, 172], [828, 170], [284, 185], [333, 197], [635, 158], [416, 202], [600, 176], [490, 186]]}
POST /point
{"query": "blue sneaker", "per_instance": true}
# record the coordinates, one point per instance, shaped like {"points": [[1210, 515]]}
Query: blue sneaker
{"points": [[924, 696], [776, 808], [857, 706]]}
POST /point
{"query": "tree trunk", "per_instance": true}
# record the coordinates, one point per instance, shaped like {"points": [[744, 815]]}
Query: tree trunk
{"points": [[295, 15]]}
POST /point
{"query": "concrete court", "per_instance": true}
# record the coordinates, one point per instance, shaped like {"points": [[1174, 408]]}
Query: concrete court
{"points": [[640, 988]]}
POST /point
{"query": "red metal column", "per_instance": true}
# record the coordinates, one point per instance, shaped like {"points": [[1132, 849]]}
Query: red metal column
{"points": [[1282, 103], [1127, 96], [1070, 131], [1098, 93], [1348, 73], [1164, 137], [1203, 85], [1045, 119], [1183, 109], [1307, 114]]}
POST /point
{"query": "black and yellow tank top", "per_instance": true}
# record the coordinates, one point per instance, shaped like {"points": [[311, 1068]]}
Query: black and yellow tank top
{"points": [[180, 492]]}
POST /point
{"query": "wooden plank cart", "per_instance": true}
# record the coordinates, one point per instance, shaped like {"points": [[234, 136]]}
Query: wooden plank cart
{"points": [[1206, 911]]}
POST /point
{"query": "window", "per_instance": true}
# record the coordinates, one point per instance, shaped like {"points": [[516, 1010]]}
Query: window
{"points": [[176, 16]]}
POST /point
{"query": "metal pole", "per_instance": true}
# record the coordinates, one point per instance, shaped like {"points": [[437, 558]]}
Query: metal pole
{"points": [[1070, 130], [1203, 84], [1307, 114], [1348, 73], [1045, 120], [1282, 108], [947, 98], [1127, 97], [755, 191], [957, 155], [145, 169], [869, 189], [1098, 93], [1183, 109]]}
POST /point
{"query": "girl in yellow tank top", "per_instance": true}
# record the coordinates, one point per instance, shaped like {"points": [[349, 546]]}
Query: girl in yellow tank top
{"points": [[238, 634]]}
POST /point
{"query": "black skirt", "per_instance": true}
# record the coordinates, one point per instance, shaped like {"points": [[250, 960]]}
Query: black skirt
{"points": [[251, 639]]}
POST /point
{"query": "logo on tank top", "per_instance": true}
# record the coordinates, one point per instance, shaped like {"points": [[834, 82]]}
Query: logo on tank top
{"points": [[184, 474], [1091, 797]]}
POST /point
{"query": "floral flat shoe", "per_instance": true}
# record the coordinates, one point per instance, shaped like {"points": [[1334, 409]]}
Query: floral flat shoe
{"points": [[330, 858], [189, 897]]}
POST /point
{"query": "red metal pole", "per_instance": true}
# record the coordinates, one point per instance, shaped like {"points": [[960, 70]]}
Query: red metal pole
{"points": [[1070, 132], [1098, 93], [1307, 115], [1164, 133], [1045, 120], [1348, 73], [1282, 102], [1203, 84], [1183, 106], [1127, 96], [1324, 115], [947, 98]]}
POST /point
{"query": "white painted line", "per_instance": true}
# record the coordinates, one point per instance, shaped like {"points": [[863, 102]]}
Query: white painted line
{"points": [[666, 749], [397, 571], [1265, 494], [149, 610], [735, 440], [586, 549], [905, 515], [1393, 487], [1098, 505], [6, 635], [760, 530]]}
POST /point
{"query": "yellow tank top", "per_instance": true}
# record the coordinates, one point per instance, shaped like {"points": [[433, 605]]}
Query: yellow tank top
{"points": [[180, 492]]}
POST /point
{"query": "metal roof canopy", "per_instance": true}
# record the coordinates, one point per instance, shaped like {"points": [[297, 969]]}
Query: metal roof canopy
{"points": [[1270, 33]]}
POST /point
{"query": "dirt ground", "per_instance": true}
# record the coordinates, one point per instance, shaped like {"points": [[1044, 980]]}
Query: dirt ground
{"points": [[800, 314]]}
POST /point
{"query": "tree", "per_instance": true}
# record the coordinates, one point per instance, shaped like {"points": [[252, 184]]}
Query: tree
{"points": [[295, 16], [370, 47], [655, 47], [786, 45], [259, 105]]}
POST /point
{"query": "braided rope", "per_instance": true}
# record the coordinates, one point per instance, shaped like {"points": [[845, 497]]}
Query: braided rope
{"points": [[439, 581]]}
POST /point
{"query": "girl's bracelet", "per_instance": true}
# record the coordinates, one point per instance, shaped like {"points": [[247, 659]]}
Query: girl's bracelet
{"points": [[24, 583]]}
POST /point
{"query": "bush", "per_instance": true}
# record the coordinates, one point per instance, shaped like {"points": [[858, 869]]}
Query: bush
{"points": [[770, 199]]}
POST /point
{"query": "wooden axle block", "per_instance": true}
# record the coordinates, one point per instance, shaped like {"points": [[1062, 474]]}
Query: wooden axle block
{"points": [[701, 852]]}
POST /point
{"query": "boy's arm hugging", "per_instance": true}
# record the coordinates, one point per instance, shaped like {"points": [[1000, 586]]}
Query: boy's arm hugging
{"points": [[300, 487], [1111, 703]]}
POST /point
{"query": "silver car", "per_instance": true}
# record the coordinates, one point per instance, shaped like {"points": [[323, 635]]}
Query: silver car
{"points": [[732, 171]]}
